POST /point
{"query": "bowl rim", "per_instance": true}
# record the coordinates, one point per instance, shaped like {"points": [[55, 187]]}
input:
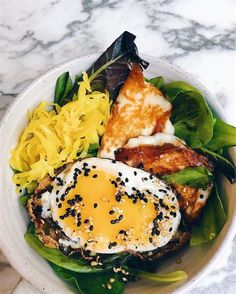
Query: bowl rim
{"points": [[229, 235]]}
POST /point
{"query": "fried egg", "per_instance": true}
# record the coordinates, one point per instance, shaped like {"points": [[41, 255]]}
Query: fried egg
{"points": [[106, 206]]}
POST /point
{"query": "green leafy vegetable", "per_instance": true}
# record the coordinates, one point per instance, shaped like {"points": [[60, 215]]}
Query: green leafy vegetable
{"points": [[212, 220], [192, 119], [24, 197], [173, 89], [58, 258], [224, 135], [160, 278], [93, 150], [62, 89], [111, 69], [108, 72], [91, 283], [198, 177], [221, 163], [157, 82]]}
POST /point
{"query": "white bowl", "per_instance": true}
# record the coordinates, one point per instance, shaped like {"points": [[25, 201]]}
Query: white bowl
{"points": [[196, 261]]}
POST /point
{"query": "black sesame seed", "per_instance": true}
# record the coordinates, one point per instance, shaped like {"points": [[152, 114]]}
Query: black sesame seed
{"points": [[173, 213], [163, 191], [78, 198], [120, 174], [113, 161], [155, 231], [170, 229], [95, 176], [91, 228], [95, 205], [86, 221], [126, 180], [111, 244], [150, 239], [135, 173], [111, 212], [201, 196], [59, 205]]}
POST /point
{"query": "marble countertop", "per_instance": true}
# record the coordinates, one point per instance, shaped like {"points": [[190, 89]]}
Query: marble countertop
{"points": [[197, 35]]}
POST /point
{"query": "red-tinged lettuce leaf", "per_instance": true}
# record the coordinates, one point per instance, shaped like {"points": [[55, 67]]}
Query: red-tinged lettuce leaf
{"points": [[108, 72]]}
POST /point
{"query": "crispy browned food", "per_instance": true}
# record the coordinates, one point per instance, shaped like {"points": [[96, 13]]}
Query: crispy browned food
{"points": [[167, 159], [162, 160], [140, 109]]}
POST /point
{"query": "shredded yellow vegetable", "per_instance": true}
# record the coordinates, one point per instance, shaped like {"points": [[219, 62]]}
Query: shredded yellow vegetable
{"points": [[57, 135]]}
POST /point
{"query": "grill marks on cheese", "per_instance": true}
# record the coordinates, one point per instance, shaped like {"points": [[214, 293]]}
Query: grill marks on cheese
{"points": [[154, 155], [140, 109]]}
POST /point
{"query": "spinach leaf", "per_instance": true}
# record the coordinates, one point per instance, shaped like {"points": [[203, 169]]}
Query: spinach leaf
{"points": [[221, 163], [63, 88], [31, 228], [91, 283], [58, 258], [192, 119], [173, 89], [198, 177], [24, 197], [93, 150], [212, 220], [160, 278], [224, 135], [158, 82]]}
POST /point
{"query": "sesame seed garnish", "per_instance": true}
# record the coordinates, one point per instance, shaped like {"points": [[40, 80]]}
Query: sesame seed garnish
{"points": [[120, 174], [135, 173], [112, 244], [201, 196], [95, 205], [163, 191], [95, 176], [113, 161]]}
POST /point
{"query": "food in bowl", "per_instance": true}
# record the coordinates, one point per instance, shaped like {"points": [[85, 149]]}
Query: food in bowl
{"points": [[120, 171]]}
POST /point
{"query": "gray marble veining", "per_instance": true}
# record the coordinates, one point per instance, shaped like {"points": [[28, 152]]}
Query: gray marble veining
{"points": [[198, 35]]}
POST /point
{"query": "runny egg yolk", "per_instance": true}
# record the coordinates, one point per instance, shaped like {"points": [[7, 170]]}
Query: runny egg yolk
{"points": [[101, 215]]}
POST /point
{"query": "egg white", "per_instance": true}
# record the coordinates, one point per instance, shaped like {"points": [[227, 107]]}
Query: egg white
{"points": [[111, 167]]}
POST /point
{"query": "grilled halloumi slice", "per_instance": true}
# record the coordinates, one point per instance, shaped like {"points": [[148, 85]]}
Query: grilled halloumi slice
{"points": [[140, 109], [164, 154]]}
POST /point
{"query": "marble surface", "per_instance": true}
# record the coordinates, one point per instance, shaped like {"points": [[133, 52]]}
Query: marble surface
{"points": [[198, 35]]}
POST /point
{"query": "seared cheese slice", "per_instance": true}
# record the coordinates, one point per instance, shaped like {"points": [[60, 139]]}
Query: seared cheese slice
{"points": [[140, 109]]}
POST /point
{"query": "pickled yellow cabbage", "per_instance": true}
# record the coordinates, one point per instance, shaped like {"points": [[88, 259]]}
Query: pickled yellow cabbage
{"points": [[57, 135]]}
